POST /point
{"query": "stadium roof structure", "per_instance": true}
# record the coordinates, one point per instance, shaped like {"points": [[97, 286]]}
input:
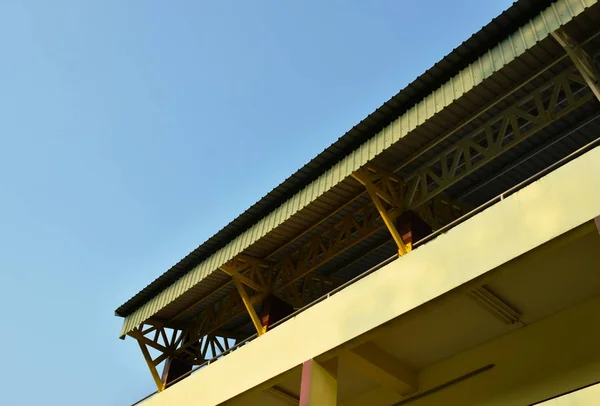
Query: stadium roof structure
{"points": [[415, 92], [505, 104]]}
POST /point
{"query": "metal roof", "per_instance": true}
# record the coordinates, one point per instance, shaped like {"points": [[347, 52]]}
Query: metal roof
{"points": [[443, 72]]}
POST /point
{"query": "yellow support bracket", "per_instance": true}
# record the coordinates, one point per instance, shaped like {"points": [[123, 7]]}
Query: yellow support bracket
{"points": [[245, 280], [160, 385], [260, 330], [374, 192]]}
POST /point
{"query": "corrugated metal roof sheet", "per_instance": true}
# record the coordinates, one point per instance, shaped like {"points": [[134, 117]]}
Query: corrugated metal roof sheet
{"points": [[521, 39]]}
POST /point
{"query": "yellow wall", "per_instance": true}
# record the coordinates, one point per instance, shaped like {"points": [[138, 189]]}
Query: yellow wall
{"points": [[563, 200]]}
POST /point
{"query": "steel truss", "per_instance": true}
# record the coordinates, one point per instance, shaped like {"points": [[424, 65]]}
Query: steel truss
{"points": [[548, 103], [172, 342], [292, 277]]}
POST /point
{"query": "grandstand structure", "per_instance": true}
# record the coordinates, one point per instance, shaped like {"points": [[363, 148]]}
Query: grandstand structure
{"points": [[445, 250]]}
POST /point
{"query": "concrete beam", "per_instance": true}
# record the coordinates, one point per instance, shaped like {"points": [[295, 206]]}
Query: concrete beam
{"points": [[383, 368]]}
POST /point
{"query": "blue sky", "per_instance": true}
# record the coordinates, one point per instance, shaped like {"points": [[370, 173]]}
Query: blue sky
{"points": [[132, 131]]}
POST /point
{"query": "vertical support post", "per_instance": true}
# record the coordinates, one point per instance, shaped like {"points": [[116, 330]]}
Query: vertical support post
{"points": [[174, 369], [319, 384], [159, 383], [412, 228], [583, 62], [177, 366], [273, 309], [260, 330]]}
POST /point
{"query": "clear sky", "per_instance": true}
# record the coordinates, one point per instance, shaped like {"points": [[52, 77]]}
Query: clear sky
{"points": [[131, 131]]}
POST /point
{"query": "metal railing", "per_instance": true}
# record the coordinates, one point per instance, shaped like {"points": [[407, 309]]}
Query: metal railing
{"points": [[591, 145]]}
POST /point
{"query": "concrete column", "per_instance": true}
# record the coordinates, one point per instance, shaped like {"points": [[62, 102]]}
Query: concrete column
{"points": [[174, 368], [273, 309], [412, 228], [319, 383]]}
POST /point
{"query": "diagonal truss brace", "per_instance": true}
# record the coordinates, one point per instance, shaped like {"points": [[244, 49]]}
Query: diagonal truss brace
{"points": [[260, 329], [551, 101], [385, 188], [581, 59], [160, 385], [385, 192], [256, 280]]}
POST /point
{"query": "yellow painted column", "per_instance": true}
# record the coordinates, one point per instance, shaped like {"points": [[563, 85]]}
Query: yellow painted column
{"points": [[319, 384]]}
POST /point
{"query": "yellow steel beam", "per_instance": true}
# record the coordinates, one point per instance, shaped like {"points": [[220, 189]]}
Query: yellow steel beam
{"points": [[355, 227], [241, 264], [382, 368], [146, 341], [180, 343], [256, 270], [378, 193], [580, 58], [260, 330], [314, 226], [389, 223], [160, 385], [235, 275]]}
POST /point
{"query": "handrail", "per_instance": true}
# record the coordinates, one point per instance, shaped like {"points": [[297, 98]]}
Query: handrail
{"points": [[385, 262]]}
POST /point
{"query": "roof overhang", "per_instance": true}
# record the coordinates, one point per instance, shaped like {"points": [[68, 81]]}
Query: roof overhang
{"points": [[514, 45]]}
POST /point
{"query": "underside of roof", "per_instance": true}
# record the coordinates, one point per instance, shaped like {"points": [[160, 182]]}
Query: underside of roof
{"points": [[517, 61]]}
